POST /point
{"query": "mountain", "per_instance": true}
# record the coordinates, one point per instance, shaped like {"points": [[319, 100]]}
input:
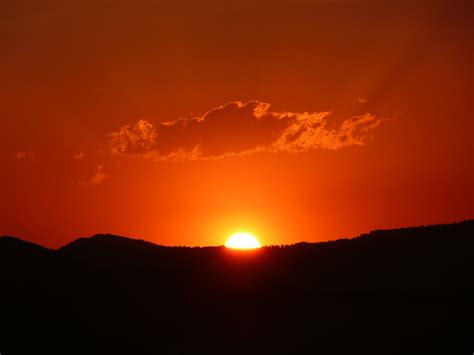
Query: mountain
{"points": [[387, 292]]}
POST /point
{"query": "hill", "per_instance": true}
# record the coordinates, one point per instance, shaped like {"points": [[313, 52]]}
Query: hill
{"points": [[387, 292]]}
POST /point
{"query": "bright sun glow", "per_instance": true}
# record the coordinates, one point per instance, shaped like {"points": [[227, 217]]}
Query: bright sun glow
{"points": [[242, 241]]}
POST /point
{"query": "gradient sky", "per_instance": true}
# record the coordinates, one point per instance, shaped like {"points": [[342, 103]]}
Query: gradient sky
{"points": [[180, 122]]}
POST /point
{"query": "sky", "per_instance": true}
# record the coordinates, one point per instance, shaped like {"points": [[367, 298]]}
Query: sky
{"points": [[182, 122]]}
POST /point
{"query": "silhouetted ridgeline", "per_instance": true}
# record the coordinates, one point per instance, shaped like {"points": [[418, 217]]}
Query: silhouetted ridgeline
{"points": [[387, 292]]}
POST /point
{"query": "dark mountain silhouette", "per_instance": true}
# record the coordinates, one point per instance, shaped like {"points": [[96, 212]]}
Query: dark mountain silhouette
{"points": [[387, 292]]}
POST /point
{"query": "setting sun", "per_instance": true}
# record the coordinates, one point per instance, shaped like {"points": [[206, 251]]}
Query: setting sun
{"points": [[243, 241]]}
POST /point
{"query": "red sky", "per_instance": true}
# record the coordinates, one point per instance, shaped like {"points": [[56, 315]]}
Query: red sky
{"points": [[182, 122]]}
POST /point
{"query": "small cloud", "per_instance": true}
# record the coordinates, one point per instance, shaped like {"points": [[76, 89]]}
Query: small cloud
{"points": [[25, 155], [97, 178], [236, 129], [360, 101], [79, 155], [136, 139]]}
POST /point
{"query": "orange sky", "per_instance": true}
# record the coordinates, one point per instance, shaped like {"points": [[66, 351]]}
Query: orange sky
{"points": [[182, 122]]}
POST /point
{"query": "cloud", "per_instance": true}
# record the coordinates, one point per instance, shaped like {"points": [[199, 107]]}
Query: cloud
{"points": [[79, 155], [133, 140], [235, 129], [25, 155], [97, 178]]}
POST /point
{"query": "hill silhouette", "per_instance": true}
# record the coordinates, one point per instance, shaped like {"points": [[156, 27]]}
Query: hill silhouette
{"points": [[387, 292]]}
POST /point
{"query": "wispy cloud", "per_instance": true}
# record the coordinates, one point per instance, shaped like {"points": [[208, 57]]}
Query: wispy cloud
{"points": [[79, 155], [26, 155], [237, 128], [98, 177]]}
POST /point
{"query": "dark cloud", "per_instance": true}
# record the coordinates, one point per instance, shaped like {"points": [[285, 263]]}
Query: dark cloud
{"points": [[237, 128]]}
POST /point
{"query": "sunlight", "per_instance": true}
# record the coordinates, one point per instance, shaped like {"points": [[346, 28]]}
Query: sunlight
{"points": [[243, 241]]}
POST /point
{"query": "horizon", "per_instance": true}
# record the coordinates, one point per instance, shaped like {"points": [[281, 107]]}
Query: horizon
{"points": [[263, 246]]}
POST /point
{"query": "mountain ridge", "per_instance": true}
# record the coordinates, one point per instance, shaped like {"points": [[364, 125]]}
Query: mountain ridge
{"points": [[370, 234], [382, 292]]}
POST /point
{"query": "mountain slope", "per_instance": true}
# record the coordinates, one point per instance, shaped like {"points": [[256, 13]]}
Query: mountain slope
{"points": [[383, 292]]}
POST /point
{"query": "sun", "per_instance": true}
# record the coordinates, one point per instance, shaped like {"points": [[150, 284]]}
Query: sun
{"points": [[242, 241]]}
